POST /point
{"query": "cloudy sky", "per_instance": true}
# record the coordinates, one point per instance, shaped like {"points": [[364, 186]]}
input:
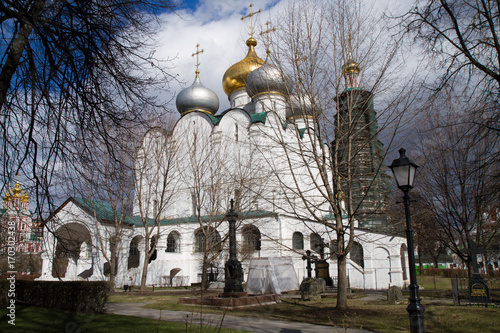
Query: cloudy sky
{"points": [[217, 26]]}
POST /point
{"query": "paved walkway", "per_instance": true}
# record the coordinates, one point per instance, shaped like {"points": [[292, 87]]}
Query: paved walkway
{"points": [[240, 323]]}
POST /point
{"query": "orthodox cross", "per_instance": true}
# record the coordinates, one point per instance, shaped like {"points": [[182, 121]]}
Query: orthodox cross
{"points": [[196, 54], [473, 251], [349, 47], [310, 258], [250, 16], [267, 36]]}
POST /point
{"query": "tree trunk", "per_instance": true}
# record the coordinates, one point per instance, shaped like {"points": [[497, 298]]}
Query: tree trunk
{"points": [[204, 268], [18, 46], [342, 283], [145, 264]]}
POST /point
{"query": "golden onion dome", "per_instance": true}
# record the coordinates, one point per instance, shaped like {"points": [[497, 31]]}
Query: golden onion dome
{"points": [[16, 190], [25, 197], [236, 75], [351, 67]]}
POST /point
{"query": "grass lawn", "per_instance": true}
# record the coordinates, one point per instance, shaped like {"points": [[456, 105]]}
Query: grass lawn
{"points": [[378, 316], [37, 319]]}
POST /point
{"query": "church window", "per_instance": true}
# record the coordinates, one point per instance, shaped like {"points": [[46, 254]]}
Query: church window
{"points": [[236, 132], [201, 243], [173, 242], [333, 249], [155, 209], [357, 254], [251, 238], [193, 204], [134, 256], [297, 241], [134, 248], [315, 242]]}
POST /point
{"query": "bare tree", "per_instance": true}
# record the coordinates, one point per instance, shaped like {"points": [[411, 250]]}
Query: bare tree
{"points": [[461, 186], [69, 69], [462, 36], [215, 169], [334, 161], [156, 185], [103, 179]]}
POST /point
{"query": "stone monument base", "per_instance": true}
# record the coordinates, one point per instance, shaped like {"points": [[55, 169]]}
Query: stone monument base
{"points": [[233, 301]]}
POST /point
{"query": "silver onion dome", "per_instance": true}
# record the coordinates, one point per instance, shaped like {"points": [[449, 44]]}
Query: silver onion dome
{"points": [[197, 98], [301, 106], [267, 78]]}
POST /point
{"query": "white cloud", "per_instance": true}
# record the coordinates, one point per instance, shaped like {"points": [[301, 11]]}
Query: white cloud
{"points": [[217, 26]]}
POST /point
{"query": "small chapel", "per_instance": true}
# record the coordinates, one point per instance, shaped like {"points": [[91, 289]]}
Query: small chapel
{"points": [[19, 232], [258, 152]]}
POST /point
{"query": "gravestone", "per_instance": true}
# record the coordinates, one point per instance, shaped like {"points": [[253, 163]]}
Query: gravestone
{"points": [[395, 295], [479, 292], [310, 289]]}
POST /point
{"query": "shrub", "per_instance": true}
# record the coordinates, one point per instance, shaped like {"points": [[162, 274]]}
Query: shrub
{"points": [[77, 296]]}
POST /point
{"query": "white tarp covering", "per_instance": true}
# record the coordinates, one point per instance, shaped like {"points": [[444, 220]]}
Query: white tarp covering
{"points": [[273, 274]]}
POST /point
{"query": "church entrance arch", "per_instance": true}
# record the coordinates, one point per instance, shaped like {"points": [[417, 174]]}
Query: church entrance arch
{"points": [[382, 268], [73, 242]]}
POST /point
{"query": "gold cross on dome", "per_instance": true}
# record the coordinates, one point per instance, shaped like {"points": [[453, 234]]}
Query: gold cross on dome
{"points": [[267, 32], [250, 16], [196, 54], [349, 48]]}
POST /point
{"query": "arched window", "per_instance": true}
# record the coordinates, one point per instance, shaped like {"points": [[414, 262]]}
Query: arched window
{"points": [[173, 242], [315, 242], [251, 237], [134, 247], [133, 252], [357, 254], [297, 241], [200, 243]]}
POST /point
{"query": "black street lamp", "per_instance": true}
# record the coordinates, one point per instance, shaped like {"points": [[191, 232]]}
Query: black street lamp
{"points": [[404, 172]]}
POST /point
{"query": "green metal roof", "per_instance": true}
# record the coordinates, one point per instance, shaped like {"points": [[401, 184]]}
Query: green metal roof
{"points": [[259, 117], [105, 212], [215, 119]]}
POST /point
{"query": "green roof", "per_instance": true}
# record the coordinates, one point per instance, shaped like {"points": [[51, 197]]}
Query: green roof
{"points": [[105, 212], [259, 117], [214, 119]]}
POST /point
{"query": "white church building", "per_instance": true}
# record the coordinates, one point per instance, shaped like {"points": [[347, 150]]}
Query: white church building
{"points": [[256, 153]]}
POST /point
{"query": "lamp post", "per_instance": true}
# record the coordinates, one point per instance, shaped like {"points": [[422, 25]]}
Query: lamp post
{"points": [[233, 270], [404, 172]]}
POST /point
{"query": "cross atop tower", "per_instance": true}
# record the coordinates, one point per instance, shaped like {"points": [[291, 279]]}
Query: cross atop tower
{"points": [[267, 32], [196, 54], [250, 16], [349, 47]]}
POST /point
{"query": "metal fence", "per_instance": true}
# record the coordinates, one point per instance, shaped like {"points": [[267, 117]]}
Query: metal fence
{"points": [[462, 294]]}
